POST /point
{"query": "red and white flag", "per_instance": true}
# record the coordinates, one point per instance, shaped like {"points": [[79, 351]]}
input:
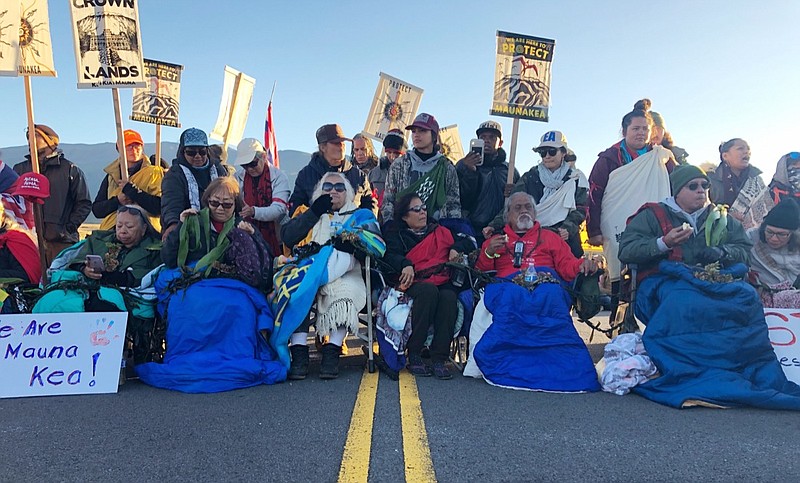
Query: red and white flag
{"points": [[270, 143]]}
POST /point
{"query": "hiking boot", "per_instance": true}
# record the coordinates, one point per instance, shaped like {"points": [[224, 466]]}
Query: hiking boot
{"points": [[329, 367], [417, 367], [298, 370], [441, 371]]}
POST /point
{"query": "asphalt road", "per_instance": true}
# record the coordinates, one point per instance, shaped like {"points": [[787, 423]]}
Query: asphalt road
{"points": [[475, 432]]}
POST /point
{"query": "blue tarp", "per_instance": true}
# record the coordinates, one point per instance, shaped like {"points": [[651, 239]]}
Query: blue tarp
{"points": [[214, 340], [710, 342], [532, 342]]}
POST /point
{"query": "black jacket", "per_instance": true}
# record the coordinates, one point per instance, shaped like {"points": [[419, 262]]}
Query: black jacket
{"points": [[104, 206], [175, 189], [309, 176], [69, 203], [482, 190], [10, 266]]}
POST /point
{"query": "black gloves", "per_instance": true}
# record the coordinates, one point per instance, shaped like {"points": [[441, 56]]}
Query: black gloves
{"points": [[367, 202], [344, 246], [322, 205], [711, 255]]}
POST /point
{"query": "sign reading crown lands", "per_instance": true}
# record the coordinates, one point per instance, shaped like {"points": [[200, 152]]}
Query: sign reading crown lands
{"points": [[51, 354], [522, 77], [108, 43]]}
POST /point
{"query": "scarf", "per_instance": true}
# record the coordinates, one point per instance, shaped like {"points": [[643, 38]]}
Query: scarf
{"points": [[433, 250], [194, 188], [147, 178], [24, 250], [258, 192], [552, 180], [691, 218], [431, 187], [627, 154]]}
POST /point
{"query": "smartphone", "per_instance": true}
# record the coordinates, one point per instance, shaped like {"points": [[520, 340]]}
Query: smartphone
{"points": [[95, 263], [476, 146]]}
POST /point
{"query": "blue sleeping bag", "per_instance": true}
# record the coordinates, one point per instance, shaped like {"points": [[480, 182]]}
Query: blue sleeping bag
{"points": [[214, 339], [532, 342], [710, 342]]}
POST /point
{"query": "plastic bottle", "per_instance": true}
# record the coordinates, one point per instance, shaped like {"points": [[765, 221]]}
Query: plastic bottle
{"points": [[530, 273]]}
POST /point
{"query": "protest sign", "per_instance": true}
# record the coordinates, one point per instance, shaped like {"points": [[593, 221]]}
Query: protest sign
{"points": [[522, 77], [25, 45], [108, 44], [784, 327], [234, 107], [394, 106], [159, 102], [450, 142], [52, 354]]}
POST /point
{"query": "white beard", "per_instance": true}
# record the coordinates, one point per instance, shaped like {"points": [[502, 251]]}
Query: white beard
{"points": [[524, 223]]}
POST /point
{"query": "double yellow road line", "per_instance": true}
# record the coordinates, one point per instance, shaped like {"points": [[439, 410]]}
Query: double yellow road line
{"points": [[416, 450]]}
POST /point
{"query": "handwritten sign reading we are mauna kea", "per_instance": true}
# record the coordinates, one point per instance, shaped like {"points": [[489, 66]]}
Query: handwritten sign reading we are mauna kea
{"points": [[52, 354]]}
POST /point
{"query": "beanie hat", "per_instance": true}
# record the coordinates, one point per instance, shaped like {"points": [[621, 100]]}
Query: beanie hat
{"points": [[47, 134], [395, 140], [681, 176], [658, 120], [132, 137], [785, 214]]}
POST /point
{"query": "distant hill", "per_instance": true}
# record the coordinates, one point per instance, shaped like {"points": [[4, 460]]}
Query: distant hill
{"points": [[92, 158]]}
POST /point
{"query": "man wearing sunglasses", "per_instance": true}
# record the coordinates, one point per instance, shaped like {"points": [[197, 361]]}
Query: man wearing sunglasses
{"points": [[674, 229], [330, 158], [187, 179], [265, 190], [482, 180]]}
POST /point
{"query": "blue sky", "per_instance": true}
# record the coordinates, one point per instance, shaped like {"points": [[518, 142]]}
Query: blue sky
{"points": [[714, 69]]}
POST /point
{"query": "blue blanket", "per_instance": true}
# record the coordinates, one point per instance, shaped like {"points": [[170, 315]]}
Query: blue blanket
{"points": [[709, 342], [532, 342], [214, 339]]}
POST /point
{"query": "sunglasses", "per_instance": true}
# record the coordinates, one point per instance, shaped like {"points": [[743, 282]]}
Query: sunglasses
{"points": [[224, 204], [773, 234], [130, 209], [338, 187], [418, 208], [548, 151], [251, 165], [194, 152], [693, 186]]}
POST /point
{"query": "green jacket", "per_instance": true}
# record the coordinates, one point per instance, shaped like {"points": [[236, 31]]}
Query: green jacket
{"points": [[638, 243], [141, 259]]}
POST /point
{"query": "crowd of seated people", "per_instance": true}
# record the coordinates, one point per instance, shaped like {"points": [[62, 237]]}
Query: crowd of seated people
{"points": [[238, 293]]}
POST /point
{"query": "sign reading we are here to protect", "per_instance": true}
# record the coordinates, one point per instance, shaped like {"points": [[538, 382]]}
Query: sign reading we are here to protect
{"points": [[53, 354]]}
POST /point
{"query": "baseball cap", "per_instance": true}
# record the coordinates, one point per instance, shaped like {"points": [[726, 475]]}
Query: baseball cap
{"points": [[247, 150], [424, 121], [331, 132], [490, 126], [33, 186], [194, 137], [132, 137], [552, 139]]}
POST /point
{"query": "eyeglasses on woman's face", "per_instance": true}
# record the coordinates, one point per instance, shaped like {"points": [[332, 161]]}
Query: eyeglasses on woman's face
{"points": [[194, 152], [418, 208], [226, 205], [780, 235], [338, 187]]}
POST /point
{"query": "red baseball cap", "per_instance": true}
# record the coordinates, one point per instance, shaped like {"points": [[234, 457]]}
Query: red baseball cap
{"points": [[34, 187]]}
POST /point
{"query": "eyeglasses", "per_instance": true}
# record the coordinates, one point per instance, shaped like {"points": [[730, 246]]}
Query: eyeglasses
{"points": [[131, 209], [227, 205], [418, 208], [194, 152], [693, 186], [339, 187], [548, 151], [774, 234], [252, 164]]}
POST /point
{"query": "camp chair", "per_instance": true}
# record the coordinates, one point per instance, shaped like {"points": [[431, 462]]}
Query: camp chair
{"points": [[366, 333]]}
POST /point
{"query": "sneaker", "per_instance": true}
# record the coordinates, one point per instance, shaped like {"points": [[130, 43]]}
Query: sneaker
{"points": [[417, 367], [298, 370], [441, 371], [329, 367]]}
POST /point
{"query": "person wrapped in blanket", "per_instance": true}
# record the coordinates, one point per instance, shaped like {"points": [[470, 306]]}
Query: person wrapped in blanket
{"points": [[19, 257], [522, 335], [211, 295], [341, 292], [705, 328], [417, 249], [101, 272], [775, 256]]}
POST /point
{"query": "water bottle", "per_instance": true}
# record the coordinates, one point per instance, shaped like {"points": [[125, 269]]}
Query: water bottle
{"points": [[530, 273]]}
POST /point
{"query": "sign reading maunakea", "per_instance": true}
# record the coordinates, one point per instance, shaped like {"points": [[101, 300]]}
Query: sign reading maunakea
{"points": [[522, 77], [108, 43], [159, 102], [51, 354], [25, 45], [394, 106]]}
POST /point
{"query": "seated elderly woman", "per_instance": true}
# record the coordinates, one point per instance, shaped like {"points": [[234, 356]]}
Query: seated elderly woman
{"points": [[522, 335], [330, 236], [775, 256], [102, 274], [211, 296], [417, 249], [19, 257], [706, 332]]}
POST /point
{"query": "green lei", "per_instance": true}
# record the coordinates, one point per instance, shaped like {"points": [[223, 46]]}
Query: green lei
{"points": [[191, 231]]}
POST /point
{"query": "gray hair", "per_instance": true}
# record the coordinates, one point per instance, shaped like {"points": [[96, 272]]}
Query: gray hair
{"points": [[349, 192], [507, 205]]}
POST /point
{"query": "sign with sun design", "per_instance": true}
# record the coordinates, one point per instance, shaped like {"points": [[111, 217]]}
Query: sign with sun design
{"points": [[394, 106], [25, 45]]}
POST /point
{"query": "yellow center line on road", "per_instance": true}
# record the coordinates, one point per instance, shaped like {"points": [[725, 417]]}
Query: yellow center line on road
{"points": [[358, 447], [416, 451]]}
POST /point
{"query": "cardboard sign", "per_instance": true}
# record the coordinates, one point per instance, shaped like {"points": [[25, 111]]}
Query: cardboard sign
{"points": [[450, 142], [25, 45], [53, 354], [394, 106], [159, 103], [784, 327]]}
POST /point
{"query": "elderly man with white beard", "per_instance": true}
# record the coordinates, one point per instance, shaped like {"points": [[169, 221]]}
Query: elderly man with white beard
{"points": [[523, 242]]}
